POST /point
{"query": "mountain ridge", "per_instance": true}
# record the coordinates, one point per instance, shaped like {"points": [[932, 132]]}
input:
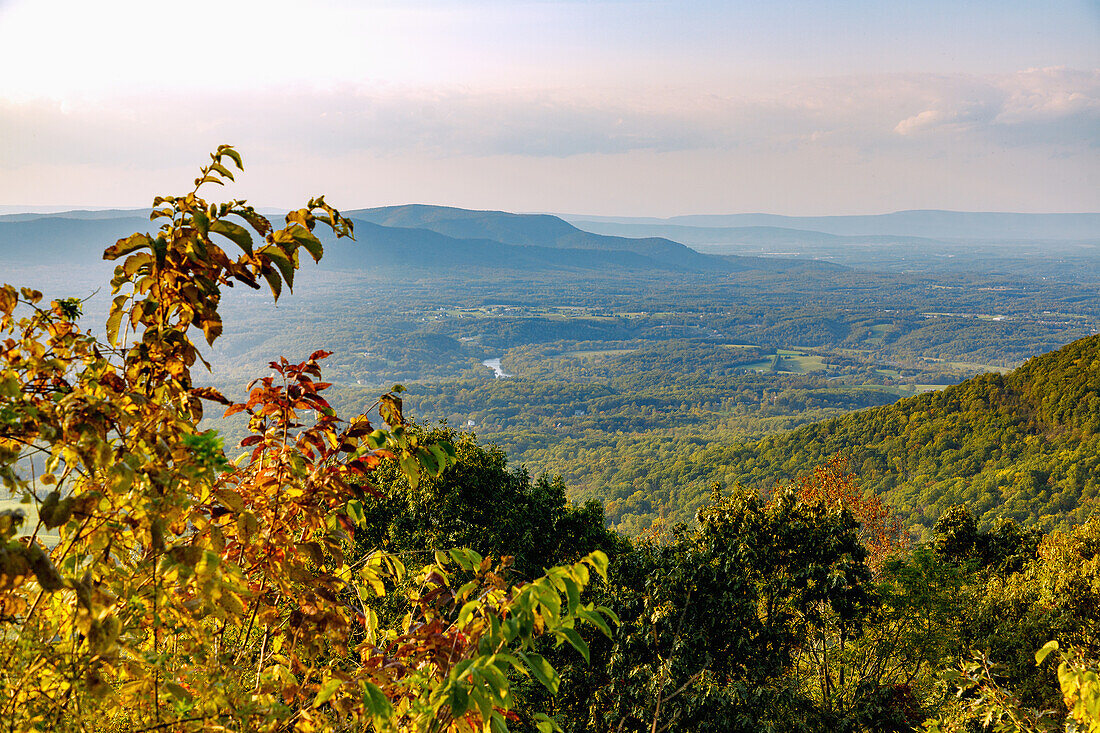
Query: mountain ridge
{"points": [[1025, 445], [468, 239], [541, 230], [930, 223]]}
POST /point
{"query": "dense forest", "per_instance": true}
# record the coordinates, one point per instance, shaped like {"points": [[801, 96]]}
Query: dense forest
{"points": [[1021, 445], [310, 572]]}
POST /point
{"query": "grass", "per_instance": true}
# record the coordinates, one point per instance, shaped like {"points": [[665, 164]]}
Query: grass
{"points": [[753, 366], [878, 333], [801, 363], [908, 390], [979, 367], [790, 362]]}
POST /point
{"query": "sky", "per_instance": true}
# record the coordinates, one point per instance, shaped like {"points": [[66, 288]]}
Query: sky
{"points": [[620, 107]]}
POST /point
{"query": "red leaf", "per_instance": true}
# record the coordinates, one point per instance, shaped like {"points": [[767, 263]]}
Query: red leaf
{"points": [[359, 429]]}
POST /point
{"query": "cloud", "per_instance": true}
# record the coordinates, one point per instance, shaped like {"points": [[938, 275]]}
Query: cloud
{"points": [[1051, 108], [920, 140], [926, 119], [1056, 107]]}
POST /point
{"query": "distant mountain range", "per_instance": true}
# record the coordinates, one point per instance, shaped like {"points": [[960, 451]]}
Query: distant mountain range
{"points": [[422, 238], [534, 240], [933, 224], [756, 236], [59, 239], [414, 238]]}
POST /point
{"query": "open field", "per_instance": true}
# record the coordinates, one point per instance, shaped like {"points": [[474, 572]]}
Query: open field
{"points": [[798, 362], [978, 367], [790, 362]]}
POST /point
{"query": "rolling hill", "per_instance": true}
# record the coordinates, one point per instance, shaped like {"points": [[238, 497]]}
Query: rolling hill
{"points": [[541, 230], [61, 240], [415, 239], [930, 223], [761, 236], [405, 248], [1025, 445]]}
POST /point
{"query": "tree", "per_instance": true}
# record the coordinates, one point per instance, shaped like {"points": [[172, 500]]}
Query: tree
{"points": [[832, 484], [478, 502], [187, 592], [712, 621]]}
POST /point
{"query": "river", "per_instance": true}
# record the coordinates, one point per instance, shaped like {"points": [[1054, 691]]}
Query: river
{"points": [[494, 364]]}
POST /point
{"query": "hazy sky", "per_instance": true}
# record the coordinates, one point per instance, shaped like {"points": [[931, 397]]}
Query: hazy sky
{"points": [[641, 108]]}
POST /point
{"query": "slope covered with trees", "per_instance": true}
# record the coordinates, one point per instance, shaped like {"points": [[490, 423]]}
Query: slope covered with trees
{"points": [[1025, 445], [543, 230]]}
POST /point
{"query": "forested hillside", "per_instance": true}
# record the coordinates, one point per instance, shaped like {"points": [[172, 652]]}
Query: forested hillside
{"points": [[1025, 445]]}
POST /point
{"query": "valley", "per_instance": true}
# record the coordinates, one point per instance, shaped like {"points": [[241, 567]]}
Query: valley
{"points": [[637, 369]]}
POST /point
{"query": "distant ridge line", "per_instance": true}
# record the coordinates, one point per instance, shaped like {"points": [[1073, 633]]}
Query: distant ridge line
{"points": [[938, 224]]}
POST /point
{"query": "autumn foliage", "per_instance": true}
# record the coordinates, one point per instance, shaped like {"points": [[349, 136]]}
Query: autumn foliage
{"points": [[833, 485], [186, 591]]}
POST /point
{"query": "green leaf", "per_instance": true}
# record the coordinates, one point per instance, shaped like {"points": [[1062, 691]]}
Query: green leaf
{"points": [[466, 613], [283, 261], [233, 232], [598, 561], [127, 245], [222, 169], [201, 222], [441, 457], [1043, 653], [429, 462], [411, 468], [594, 618], [545, 723], [309, 242], [610, 614], [458, 697], [497, 679], [542, 670], [356, 513], [273, 280], [465, 558], [576, 641], [573, 593], [484, 705], [234, 155], [327, 691]]}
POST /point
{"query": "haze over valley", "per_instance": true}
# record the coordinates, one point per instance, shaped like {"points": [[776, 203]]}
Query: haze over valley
{"points": [[550, 366], [623, 345]]}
